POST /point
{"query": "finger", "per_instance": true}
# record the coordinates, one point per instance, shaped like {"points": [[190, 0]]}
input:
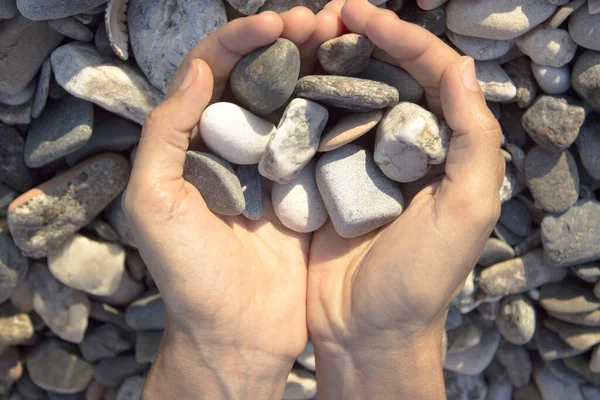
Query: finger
{"points": [[299, 24], [223, 49], [413, 48], [475, 167]]}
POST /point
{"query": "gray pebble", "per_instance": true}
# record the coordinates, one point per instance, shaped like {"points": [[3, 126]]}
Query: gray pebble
{"points": [[583, 28], [519, 70], [572, 238], [559, 369], [264, 80], [479, 48], [588, 145], [433, 20], [106, 341], [252, 187], [586, 77], [345, 55], [351, 184], [13, 170], [70, 27], [552, 80], [552, 388], [64, 127], [547, 46], [113, 372], [280, 6], [516, 362], [43, 10], [102, 42], [146, 313], [13, 266], [589, 272], [246, 7], [43, 88], [578, 337], [517, 319], [568, 297], [8, 9], [147, 344], [116, 217], [552, 347], [475, 359], [19, 98], [408, 88], [465, 387], [495, 83], [516, 216], [351, 94], [216, 181]]}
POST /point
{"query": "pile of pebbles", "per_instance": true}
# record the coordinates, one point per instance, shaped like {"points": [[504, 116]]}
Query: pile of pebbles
{"points": [[80, 316]]}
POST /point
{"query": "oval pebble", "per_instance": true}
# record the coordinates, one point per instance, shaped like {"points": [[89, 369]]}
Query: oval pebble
{"points": [[479, 48], [349, 128], [588, 145], [547, 46], [345, 55], [586, 77], [516, 319], [583, 28], [552, 80]]}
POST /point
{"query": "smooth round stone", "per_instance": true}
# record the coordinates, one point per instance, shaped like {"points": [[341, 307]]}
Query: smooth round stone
{"points": [[590, 392], [516, 362], [589, 272], [506, 235], [57, 366], [234, 133], [475, 359], [552, 347], [351, 185], [346, 93], [409, 140], [552, 388], [465, 387], [13, 266], [44, 218], [496, 20], [479, 48], [128, 290], [586, 77], [43, 87], [495, 83], [251, 184], [552, 179], [118, 221], [516, 217], [547, 46], [553, 122], [15, 326], [264, 80], [112, 372], [161, 37], [519, 71], [578, 337], [295, 141], [13, 170], [87, 265], [568, 297], [30, 390], [572, 238], [70, 27], [8, 9], [298, 204], [307, 358], [216, 181], [467, 335], [519, 275], [583, 28], [146, 313], [495, 251], [131, 388], [106, 341], [349, 128], [64, 127], [42, 10], [105, 313], [434, 20], [408, 87], [301, 385], [552, 80], [588, 145], [516, 319], [246, 7], [17, 99], [560, 370], [147, 344], [345, 55]]}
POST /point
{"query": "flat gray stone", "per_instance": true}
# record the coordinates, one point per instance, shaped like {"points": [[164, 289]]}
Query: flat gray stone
{"points": [[106, 313], [246, 7], [106, 341], [351, 183], [589, 272], [475, 359], [590, 392], [465, 336], [479, 48], [7, 195], [559, 369], [264, 80], [42, 90], [580, 365], [516, 319], [552, 178], [519, 275], [44, 218], [408, 88], [251, 184], [548, 46], [495, 83], [162, 36], [147, 344], [57, 366], [346, 93], [64, 127], [295, 142], [108, 82], [24, 45], [552, 80], [116, 217], [552, 347], [13, 170], [42, 10], [112, 372], [146, 313], [454, 319], [516, 362], [26, 387], [465, 387], [588, 145], [528, 392], [280, 6], [586, 77], [583, 28], [13, 266], [519, 71], [570, 297], [70, 27], [345, 55], [516, 217], [216, 181]]}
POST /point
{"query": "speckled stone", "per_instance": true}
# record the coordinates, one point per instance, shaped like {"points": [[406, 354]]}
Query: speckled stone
{"points": [[351, 183], [72, 28], [13, 170], [64, 127], [45, 217], [583, 28], [252, 187], [295, 141], [298, 203], [568, 297], [586, 77], [588, 145], [479, 48], [552, 179], [408, 87], [351, 94], [146, 313], [552, 80], [42, 10], [516, 319], [572, 238], [264, 80], [43, 87], [216, 181], [345, 55], [519, 275], [13, 266], [516, 362], [547, 46], [553, 122], [280, 6], [495, 83]]}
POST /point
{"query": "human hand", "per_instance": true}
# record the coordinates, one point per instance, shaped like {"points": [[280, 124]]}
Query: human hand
{"points": [[235, 289], [376, 305]]}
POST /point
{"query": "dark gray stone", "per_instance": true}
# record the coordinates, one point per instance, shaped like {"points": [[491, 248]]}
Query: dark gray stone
{"points": [[246, 7], [7, 195], [562, 372], [106, 313], [147, 344], [13, 170], [495, 251], [13, 266], [43, 88], [351, 94], [42, 10], [345, 55], [252, 187], [454, 319], [114, 371], [146, 313], [572, 238], [26, 387], [589, 272], [8, 9], [264, 80], [516, 362], [580, 365], [408, 87], [465, 387], [102, 43], [570, 297], [553, 122], [432, 20], [510, 121], [520, 73], [552, 347], [63, 127], [506, 235], [70, 27], [106, 341], [552, 178], [578, 337], [116, 216], [516, 217], [216, 181], [280, 6], [586, 77], [588, 145]]}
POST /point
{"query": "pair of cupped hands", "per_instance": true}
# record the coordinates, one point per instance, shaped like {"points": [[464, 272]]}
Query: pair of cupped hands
{"points": [[242, 296]]}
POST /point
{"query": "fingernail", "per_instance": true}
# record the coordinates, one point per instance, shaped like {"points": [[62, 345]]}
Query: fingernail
{"points": [[467, 71], [189, 78]]}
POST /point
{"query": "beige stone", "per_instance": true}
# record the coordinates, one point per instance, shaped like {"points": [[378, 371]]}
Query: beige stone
{"points": [[349, 128]]}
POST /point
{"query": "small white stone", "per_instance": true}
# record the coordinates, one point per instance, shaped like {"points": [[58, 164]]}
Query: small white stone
{"points": [[307, 358], [409, 140], [495, 83], [545, 46], [552, 80], [298, 204], [301, 385], [480, 49], [295, 141], [87, 265], [235, 134]]}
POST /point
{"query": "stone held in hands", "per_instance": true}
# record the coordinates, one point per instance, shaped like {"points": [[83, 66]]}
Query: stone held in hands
{"points": [[408, 87], [295, 141], [264, 80], [349, 128], [346, 55]]}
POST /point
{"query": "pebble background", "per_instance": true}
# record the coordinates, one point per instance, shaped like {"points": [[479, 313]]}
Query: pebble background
{"points": [[80, 316]]}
